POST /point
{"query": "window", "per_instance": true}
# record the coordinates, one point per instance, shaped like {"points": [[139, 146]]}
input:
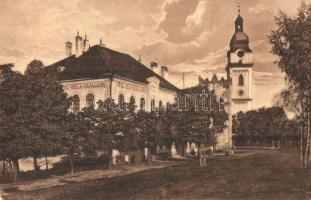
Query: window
{"points": [[241, 92], [142, 103], [221, 104], [152, 105], [75, 104], [121, 102], [132, 102], [90, 101], [241, 80]]}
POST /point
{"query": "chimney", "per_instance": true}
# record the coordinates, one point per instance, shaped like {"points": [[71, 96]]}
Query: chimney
{"points": [[164, 72], [85, 44], [153, 66], [68, 49], [101, 42], [78, 45]]}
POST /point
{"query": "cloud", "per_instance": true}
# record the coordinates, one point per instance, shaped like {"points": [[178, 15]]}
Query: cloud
{"points": [[173, 19], [259, 8], [186, 35], [195, 20], [13, 52]]}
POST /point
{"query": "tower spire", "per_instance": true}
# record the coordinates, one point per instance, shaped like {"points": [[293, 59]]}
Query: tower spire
{"points": [[239, 19], [239, 7]]}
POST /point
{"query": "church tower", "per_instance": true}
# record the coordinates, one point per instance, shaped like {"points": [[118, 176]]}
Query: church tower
{"points": [[239, 69]]}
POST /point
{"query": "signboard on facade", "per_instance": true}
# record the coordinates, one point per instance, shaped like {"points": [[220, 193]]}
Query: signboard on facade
{"points": [[77, 86], [130, 87]]}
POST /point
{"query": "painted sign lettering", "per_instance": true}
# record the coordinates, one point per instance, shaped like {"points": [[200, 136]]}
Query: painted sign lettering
{"points": [[77, 86]]}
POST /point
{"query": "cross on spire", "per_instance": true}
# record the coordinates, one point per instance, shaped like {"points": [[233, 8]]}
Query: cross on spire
{"points": [[239, 7]]}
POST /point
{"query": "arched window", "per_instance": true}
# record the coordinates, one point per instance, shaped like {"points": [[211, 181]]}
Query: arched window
{"points": [[75, 104], [241, 80], [90, 101], [121, 102], [221, 104], [142, 103], [132, 102], [152, 105]]}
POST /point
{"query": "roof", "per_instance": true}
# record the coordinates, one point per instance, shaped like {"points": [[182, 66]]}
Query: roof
{"points": [[239, 40], [101, 62]]}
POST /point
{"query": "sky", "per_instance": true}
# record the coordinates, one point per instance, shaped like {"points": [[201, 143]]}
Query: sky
{"points": [[188, 36]]}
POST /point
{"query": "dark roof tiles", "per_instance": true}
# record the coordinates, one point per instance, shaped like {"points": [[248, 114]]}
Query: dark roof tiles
{"points": [[100, 62]]}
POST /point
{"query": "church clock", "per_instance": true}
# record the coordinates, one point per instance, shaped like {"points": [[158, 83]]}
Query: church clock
{"points": [[239, 69]]}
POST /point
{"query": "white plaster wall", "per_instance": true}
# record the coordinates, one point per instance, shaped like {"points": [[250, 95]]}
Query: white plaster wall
{"points": [[138, 90], [246, 59], [246, 73], [99, 88]]}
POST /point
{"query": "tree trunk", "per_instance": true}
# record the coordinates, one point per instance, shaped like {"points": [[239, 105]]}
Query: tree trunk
{"points": [[35, 166], [71, 162], [109, 160], [16, 163], [178, 147], [309, 147], [3, 167], [148, 156], [15, 170], [11, 170], [46, 163], [308, 136], [183, 146], [302, 136], [301, 144]]}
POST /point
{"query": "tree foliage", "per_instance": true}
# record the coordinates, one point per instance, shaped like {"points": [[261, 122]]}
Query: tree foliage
{"points": [[32, 107], [261, 127], [291, 42]]}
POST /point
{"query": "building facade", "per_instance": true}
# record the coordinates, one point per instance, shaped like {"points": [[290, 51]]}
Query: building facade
{"points": [[239, 74], [236, 90], [97, 73], [239, 68]]}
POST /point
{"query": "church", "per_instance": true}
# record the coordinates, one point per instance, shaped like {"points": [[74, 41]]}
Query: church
{"points": [[97, 73], [237, 89], [239, 74]]}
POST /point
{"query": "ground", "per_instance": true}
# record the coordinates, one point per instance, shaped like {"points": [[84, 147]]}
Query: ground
{"points": [[267, 174]]}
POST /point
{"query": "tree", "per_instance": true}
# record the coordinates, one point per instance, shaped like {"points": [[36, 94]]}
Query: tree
{"points": [[12, 135], [292, 101], [291, 42], [45, 105], [261, 127], [198, 118], [147, 131], [32, 107], [114, 127], [76, 130]]}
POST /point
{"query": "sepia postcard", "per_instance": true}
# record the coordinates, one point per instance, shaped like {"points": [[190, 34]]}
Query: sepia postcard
{"points": [[155, 99]]}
